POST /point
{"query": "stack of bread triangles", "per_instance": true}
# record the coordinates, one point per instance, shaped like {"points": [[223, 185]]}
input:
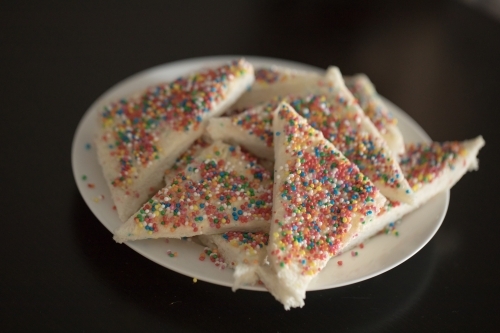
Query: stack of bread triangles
{"points": [[301, 168]]}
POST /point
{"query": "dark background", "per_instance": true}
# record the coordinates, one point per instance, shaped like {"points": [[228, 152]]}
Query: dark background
{"points": [[62, 272]]}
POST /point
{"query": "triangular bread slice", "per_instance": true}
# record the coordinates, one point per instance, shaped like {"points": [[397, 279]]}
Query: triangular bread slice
{"points": [[143, 135], [222, 189], [431, 167], [319, 198], [374, 107], [338, 116], [277, 81]]}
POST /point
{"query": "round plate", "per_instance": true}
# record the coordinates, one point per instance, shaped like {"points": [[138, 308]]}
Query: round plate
{"points": [[379, 254]]}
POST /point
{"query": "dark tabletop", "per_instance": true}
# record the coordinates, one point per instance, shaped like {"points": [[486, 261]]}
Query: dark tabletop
{"points": [[61, 271]]}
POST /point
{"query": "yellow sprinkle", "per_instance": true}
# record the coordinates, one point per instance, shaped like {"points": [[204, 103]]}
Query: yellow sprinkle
{"points": [[195, 280]]}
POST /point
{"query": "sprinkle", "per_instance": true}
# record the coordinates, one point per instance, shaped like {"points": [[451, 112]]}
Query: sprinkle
{"points": [[90, 185], [339, 262], [88, 146], [195, 280], [84, 177]]}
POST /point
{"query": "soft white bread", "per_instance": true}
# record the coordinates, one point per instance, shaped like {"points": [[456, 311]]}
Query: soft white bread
{"points": [[374, 107], [276, 81], [223, 189], [143, 135], [319, 198], [431, 168]]}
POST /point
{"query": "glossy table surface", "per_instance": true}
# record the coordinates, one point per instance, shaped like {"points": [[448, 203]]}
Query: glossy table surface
{"points": [[61, 270]]}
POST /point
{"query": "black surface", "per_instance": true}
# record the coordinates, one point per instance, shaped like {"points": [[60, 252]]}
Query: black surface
{"points": [[61, 270]]}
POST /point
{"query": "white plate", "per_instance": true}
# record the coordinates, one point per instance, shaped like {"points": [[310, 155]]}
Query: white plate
{"points": [[378, 255]]}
